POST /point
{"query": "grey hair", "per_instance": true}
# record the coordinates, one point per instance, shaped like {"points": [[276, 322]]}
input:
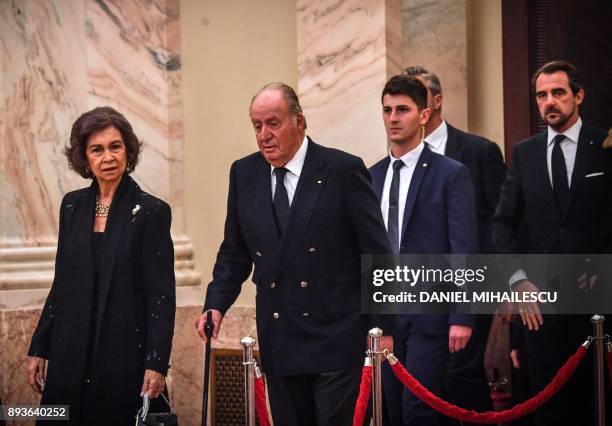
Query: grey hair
{"points": [[433, 82], [289, 95]]}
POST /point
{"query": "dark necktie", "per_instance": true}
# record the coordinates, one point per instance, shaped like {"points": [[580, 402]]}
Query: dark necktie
{"points": [[559, 175], [393, 217], [281, 199]]}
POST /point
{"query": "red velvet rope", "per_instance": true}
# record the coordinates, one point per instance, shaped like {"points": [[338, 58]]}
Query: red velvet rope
{"points": [[364, 396], [520, 410], [260, 402]]}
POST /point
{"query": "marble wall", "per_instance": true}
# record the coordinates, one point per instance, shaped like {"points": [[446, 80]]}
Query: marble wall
{"points": [[346, 52], [59, 60], [435, 36]]}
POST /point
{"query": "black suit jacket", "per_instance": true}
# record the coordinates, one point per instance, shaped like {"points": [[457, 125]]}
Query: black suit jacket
{"points": [[136, 305], [487, 170], [308, 279], [527, 219]]}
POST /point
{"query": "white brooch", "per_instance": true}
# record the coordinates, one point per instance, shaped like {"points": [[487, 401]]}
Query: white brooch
{"points": [[135, 210]]}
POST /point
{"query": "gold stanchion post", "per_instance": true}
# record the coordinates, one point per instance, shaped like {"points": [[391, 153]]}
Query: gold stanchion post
{"points": [[598, 331], [375, 335], [249, 379]]}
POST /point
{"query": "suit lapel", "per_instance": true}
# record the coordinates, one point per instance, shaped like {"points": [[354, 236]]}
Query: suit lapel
{"points": [[379, 173], [81, 234], [453, 148], [584, 157], [311, 182], [263, 207], [420, 169], [120, 212]]}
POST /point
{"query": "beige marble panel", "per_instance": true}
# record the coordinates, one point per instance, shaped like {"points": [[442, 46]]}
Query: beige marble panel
{"points": [[59, 60], [16, 329], [133, 64], [43, 87], [63, 58], [346, 51], [435, 37]]}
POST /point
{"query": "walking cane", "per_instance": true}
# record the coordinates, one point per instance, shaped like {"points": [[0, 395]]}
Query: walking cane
{"points": [[208, 331]]}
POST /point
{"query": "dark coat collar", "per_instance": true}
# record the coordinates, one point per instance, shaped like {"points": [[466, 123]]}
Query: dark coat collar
{"points": [[421, 168], [124, 201], [379, 172], [310, 184], [454, 149]]}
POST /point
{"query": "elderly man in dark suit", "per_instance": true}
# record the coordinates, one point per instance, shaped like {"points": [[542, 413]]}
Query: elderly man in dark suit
{"points": [[302, 214], [466, 382], [427, 201], [556, 199]]}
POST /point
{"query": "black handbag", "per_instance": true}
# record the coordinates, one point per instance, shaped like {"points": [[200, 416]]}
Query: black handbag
{"points": [[144, 418]]}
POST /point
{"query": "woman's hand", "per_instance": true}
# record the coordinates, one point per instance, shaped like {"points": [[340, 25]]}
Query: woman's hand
{"points": [[36, 373], [153, 384]]}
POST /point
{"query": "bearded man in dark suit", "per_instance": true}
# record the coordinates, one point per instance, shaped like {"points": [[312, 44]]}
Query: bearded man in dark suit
{"points": [[556, 199]]}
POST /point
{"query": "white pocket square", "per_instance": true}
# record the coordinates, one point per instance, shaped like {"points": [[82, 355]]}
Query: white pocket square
{"points": [[594, 174]]}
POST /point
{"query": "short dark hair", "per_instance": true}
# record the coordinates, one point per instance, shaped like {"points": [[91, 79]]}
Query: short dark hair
{"points": [[94, 121], [409, 86], [575, 81], [289, 95], [433, 82]]}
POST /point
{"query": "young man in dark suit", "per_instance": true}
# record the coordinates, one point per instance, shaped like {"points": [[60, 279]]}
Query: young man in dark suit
{"points": [[427, 202], [556, 199], [302, 214], [466, 382]]}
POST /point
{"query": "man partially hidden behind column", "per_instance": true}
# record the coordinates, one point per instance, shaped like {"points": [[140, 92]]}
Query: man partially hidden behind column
{"points": [[466, 383], [556, 199], [427, 202], [302, 214]]}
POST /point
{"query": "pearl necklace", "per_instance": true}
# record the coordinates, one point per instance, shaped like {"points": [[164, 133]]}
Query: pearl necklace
{"points": [[101, 209]]}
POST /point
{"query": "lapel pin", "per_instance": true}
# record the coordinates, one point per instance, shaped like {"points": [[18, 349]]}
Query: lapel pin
{"points": [[424, 164], [319, 181], [136, 209]]}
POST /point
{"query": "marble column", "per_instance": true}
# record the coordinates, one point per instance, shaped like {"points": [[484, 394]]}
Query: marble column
{"points": [[435, 36], [60, 59], [346, 52]]}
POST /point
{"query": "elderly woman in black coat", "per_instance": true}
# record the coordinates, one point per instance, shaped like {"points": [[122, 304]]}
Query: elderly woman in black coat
{"points": [[106, 328]]}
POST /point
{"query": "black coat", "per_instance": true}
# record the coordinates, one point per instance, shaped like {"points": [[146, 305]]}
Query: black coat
{"points": [[487, 170], [136, 305], [308, 280], [527, 199]]}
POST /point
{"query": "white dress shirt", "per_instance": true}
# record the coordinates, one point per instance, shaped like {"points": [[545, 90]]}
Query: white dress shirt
{"points": [[437, 139], [294, 167], [569, 146], [410, 160]]}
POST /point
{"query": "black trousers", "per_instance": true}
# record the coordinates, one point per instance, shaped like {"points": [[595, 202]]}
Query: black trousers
{"points": [[324, 399], [466, 383], [426, 358]]}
